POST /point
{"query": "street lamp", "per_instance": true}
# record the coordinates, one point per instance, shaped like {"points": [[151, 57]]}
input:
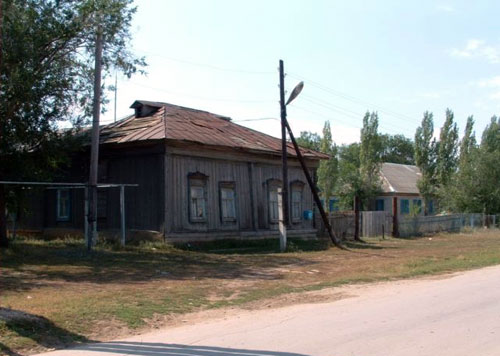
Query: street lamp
{"points": [[285, 216]]}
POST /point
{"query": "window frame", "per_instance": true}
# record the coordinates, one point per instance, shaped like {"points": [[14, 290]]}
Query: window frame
{"points": [[407, 206], [296, 186], [333, 204], [229, 185], [377, 204], [273, 185], [60, 217], [198, 180], [417, 202]]}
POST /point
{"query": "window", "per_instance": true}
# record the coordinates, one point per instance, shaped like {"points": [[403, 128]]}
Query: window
{"points": [[227, 201], [296, 188], [380, 205], [63, 204], [430, 206], [197, 197], [405, 206], [417, 206], [273, 205], [333, 205], [272, 187]]}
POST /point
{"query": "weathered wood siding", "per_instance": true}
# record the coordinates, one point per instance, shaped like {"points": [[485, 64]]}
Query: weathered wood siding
{"points": [[143, 204], [250, 179]]}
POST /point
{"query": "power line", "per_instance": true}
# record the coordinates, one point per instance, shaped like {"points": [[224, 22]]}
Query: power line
{"points": [[350, 113], [210, 66], [257, 101], [353, 98]]}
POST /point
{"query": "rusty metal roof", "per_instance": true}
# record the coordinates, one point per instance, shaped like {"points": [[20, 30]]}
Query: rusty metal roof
{"points": [[400, 178], [172, 122]]}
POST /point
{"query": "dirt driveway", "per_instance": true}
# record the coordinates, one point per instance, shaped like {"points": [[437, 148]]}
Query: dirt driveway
{"points": [[454, 315]]}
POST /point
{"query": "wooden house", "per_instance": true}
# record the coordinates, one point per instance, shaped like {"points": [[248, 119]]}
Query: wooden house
{"points": [[200, 176], [399, 181]]}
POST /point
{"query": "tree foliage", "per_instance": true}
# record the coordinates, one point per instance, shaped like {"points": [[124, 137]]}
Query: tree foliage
{"points": [[447, 151], [360, 175], [328, 170], [425, 156], [309, 140], [46, 76], [397, 149]]}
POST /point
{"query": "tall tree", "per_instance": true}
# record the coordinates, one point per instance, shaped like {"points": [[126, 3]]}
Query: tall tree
{"points": [[370, 156], [328, 170], [447, 151], [425, 157], [309, 140], [460, 193], [488, 169], [349, 180], [359, 165], [46, 76], [468, 143], [397, 149]]}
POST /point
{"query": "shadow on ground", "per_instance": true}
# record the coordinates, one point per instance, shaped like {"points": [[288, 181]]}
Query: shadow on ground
{"points": [[159, 349], [28, 265], [40, 330]]}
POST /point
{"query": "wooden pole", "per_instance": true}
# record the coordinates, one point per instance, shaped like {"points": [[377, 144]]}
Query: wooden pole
{"points": [[122, 213], [282, 225], [116, 91], [86, 213], [317, 200], [94, 154], [4, 241], [356, 218], [284, 161], [395, 227]]}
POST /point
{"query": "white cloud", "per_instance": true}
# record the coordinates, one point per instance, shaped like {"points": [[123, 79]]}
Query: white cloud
{"points": [[475, 48], [495, 96], [445, 8]]}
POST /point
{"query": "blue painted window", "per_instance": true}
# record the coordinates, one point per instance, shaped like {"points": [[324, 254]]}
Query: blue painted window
{"points": [[333, 205], [430, 206], [379, 205], [417, 205], [405, 206]]}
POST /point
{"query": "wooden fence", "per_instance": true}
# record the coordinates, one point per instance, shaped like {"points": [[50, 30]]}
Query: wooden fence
{"points": [[379, 223], [375, 223], [421, 225]]}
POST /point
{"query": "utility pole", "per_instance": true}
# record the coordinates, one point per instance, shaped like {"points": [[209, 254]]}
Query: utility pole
{"points": [[4, 242], [94, 153], [284, 161], [116, 91]]}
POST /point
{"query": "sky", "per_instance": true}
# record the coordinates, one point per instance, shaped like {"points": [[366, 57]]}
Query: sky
{"points": [[398, 58]]}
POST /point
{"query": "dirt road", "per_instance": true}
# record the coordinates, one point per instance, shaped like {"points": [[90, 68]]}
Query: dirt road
{"points": [[457, 315]]}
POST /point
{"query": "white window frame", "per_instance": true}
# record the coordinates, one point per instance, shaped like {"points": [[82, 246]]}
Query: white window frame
{"points": [[272, 200], [296, 205], [197, 183], [227, 203]]}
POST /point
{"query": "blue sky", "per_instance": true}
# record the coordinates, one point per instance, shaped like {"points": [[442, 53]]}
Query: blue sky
{"points": [[399, 58]]}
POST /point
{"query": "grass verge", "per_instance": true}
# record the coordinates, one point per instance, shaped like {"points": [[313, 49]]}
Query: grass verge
{"points": [[54, 294]]}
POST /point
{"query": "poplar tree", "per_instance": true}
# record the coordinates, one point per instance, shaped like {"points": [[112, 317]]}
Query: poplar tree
{"points": [[328, 170], [447, 151], [425, 157]]}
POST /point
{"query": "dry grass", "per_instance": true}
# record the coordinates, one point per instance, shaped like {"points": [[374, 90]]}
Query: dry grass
{"points": [[53, 294]]}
